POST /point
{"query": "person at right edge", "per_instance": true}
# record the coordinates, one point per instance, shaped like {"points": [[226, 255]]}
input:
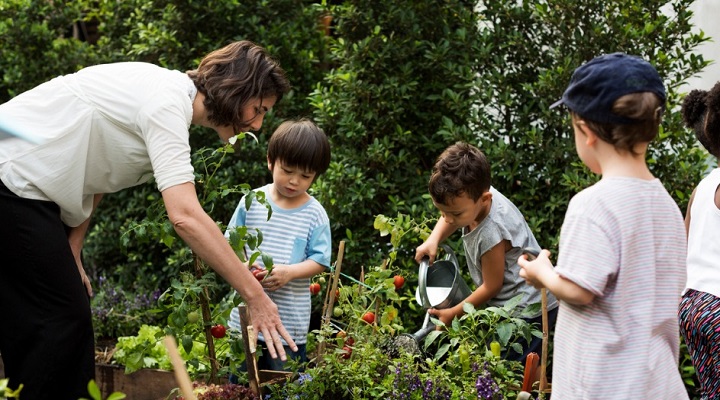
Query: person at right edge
{"points": [[621, 262], [700, 304]]}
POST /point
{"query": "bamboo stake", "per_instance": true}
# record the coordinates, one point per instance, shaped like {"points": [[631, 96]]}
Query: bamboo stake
{"points": [[181, 375], [330, 296], [545, 338], [249, 343]]}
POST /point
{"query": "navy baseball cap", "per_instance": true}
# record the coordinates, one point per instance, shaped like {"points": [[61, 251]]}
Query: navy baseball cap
{"points": [[596, 85]]}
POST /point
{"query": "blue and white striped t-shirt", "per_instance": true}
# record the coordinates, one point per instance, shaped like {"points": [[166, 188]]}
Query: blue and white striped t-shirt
{"points": [[290, 236]]}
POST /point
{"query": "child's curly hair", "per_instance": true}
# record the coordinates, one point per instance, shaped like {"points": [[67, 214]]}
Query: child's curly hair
{"points": [[701, 113]]}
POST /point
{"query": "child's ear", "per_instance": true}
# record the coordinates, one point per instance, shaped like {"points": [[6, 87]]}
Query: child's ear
{"points": [[270, 164], [486, 197], [590, 135]]}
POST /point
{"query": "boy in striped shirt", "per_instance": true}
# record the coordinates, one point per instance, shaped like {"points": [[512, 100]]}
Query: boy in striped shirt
{"points": [[297, 234]]}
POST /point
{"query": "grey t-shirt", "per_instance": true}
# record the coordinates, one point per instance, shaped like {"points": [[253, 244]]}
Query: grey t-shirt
{"points": [[504, 222]]}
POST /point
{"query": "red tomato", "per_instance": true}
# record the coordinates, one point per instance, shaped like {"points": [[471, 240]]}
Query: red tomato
{"points": [[314, 288], [218, 331], [369, 317], [399, 281], [349, 341], [337, 294], [346, 352], [257, 273]]}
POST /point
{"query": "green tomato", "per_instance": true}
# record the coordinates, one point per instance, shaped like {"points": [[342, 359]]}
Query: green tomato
{"points": [[337, 311], [321, 279], [495, 348], [464, 356], [193, 317]]}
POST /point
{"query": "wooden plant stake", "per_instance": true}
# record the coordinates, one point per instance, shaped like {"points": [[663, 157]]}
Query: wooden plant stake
{"points": [[378, 300], [181, 374], [329, 302], [250, 345], [545, 337]]}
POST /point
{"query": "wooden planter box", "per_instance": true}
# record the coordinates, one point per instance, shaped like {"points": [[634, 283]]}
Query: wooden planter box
{"points": [[145, 384]]}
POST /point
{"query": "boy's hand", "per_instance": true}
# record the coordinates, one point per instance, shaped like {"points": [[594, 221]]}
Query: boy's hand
{"points": [[445, 315], [427, 249], [278, 278], [532, 271]]}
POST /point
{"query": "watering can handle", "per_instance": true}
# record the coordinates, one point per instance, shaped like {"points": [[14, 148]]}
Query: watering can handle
{"points": [[422, 274], [422, 282], [450, 255]]}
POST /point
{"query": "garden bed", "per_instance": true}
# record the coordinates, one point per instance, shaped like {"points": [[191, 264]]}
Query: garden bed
{"points": [[145, 384]]}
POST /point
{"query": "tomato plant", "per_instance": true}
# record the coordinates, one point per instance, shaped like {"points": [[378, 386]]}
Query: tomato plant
{"points": [[218, 331], [314, 288]]}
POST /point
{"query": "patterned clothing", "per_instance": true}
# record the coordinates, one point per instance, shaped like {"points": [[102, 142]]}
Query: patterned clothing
{"points": [[700, 307], [700, 327], [623, 239], [290, 237]]}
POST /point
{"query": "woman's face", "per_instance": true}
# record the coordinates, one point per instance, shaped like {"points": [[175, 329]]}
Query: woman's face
{"points": [[253, 115]]}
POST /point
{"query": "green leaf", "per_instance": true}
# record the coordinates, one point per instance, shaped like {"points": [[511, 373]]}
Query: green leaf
{"points": [[93, 390], [504, 331]]}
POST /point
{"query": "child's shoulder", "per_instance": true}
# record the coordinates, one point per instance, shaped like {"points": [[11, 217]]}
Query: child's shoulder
{"points": [[502, 206]]}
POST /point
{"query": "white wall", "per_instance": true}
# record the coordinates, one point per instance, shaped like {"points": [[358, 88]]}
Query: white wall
{"points": [[707, 18]]}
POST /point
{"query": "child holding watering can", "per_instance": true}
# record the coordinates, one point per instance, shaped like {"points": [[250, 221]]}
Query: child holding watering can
{"points": [[494, 236], [621, 263]]}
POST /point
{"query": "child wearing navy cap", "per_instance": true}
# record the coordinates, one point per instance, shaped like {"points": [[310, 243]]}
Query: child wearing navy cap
{"points": [[621, 264]]}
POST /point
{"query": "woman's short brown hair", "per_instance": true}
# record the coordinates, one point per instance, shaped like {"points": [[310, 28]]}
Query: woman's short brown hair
{"points": [[233, 75]]}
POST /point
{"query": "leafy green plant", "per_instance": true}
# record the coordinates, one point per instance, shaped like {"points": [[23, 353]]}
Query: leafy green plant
{"points": [[6, 392], [363, 360], [117, 312], [95, 394]]}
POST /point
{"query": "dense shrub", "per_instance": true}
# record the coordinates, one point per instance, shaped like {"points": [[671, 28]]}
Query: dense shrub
{"points": [[405, 88], [401, 92], [529, 51]]}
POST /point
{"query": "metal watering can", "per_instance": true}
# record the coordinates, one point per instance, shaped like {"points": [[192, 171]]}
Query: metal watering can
{"points": [[439, 286]]}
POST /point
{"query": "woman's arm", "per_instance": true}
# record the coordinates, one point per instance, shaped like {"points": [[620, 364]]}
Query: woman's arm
{"points": [[206, 240], [76, 237]]}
